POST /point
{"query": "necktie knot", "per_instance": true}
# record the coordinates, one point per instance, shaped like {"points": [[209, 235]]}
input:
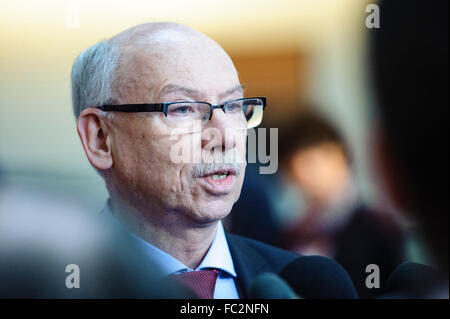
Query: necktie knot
{"points": [[202, 283]]}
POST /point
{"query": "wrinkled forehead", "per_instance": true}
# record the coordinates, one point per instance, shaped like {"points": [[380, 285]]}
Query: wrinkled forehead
{"points": [[179, 57]]}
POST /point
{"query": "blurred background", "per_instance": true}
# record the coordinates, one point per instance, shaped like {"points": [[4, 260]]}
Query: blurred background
{"points": [[290, 51], [303, 55]]}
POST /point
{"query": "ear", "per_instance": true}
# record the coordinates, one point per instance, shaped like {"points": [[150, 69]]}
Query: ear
{"points": [[96, 142]]}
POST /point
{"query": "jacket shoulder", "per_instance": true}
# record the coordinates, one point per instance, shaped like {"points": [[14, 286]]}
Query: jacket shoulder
{"points": [[275, 259]]}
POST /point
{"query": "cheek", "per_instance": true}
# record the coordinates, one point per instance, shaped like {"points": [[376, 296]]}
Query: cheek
{"points": [[142, 160], [127, 154], [162, 172]]}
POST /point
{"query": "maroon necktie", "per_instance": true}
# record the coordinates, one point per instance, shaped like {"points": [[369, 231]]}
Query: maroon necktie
{"points": [[201, 283]]}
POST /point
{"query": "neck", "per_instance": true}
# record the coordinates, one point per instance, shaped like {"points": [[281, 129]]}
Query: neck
{"points": [[171, 231]]}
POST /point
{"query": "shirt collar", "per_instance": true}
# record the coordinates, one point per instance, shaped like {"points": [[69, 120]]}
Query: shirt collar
{"points": [[218, 255]]}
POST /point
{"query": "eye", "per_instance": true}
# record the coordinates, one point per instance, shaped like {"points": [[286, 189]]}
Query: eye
{"points": [[180, 109], [233, 106]]}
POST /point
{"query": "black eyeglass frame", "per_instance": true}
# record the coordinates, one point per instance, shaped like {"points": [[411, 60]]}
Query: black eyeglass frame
{"points": [[162, 107]]}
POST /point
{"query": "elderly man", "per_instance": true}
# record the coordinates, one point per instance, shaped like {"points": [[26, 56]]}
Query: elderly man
{"points": [[136, 97]]}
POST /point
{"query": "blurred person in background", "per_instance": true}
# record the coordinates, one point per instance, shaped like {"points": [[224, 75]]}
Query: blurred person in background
{"points": [[409, 55], [335, 221]]}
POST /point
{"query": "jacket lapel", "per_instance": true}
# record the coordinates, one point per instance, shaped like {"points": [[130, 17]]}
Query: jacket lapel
{"points": [[248, 263]]}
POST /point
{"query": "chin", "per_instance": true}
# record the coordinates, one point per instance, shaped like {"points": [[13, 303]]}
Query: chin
{"points": [[212, 211]]}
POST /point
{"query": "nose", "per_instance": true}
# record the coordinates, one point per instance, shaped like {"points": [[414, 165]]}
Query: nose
{"points": [[218, 133]]}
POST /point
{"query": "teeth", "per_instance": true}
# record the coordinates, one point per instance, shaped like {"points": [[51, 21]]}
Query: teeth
{"points": [[219, 176]]}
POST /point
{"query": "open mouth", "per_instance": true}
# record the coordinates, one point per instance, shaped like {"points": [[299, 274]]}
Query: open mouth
{"points": [[220, 180], [220, 174], [218, 177]]}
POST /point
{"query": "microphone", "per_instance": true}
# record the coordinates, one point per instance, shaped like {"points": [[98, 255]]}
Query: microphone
{"points": [[270, 286], [317, 277], [413, 280]]}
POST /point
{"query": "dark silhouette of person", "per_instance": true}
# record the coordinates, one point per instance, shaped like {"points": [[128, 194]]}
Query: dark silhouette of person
{"points": [[409, 54], [337, 222]]}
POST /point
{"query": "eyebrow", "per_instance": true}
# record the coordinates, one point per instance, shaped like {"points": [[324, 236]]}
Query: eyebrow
{"points": [[170, 88], [232, 90]]}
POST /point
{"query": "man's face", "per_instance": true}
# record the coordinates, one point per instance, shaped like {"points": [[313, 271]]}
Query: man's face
{"points": [[144, 170]]}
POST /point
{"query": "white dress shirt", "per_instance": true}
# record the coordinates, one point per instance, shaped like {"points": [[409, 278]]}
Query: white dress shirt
{"points": [[218, 257]]}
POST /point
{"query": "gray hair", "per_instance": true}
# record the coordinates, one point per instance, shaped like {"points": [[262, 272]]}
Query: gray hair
{"points": [[93, 75]]}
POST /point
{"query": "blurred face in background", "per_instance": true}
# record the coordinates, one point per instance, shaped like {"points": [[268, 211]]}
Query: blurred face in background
{"points": [[168, 66], [321, 171]]}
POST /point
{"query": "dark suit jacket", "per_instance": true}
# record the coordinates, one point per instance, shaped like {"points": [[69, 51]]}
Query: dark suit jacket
{"points": [[251, 258]]}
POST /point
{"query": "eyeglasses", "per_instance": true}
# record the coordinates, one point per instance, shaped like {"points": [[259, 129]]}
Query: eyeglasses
{"points": [[242, 113]]}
